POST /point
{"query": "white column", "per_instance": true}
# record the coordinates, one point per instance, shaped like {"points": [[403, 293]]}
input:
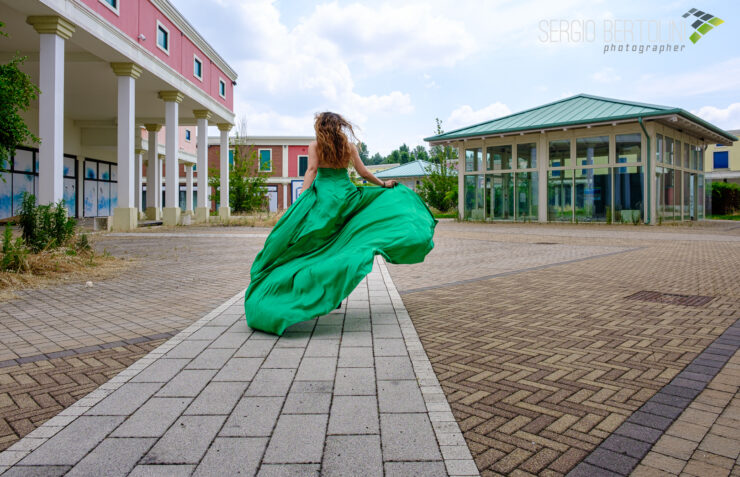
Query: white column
{"points": [[188, 188], [202, 212], [171, 210], [125, 216], [160, 183], [153, 188], [138, 185], [53, 31], [224, 211]]}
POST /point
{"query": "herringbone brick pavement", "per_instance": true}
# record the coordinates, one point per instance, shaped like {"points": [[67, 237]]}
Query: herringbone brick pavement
{"points": [[33, 393], [541, 366]]}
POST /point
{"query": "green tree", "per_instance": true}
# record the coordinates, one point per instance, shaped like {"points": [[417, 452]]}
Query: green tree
{"points": [[376, 159], [420, 154], [16, 93], [363, 152], [247, 191], [439, 187], [404, 154]]}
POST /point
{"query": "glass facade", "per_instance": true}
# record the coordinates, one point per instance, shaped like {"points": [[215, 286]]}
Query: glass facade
{"points": [[526, 155], [593, 195], [500, 196], [498, 157], [473, 160], [474, 197], [527, 186], [628, 193]]}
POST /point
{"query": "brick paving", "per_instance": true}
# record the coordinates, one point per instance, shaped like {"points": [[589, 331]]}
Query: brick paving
{"points": [[541, 363], [350, 393], [59, 343]]}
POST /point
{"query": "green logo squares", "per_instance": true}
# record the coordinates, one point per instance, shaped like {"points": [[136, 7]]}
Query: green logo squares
{"points": [[703, 24]]}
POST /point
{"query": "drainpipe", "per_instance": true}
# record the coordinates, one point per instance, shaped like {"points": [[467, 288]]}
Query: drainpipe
{"points": [[649, 175]]}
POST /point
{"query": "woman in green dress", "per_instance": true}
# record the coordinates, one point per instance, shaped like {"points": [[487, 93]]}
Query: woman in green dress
{"points": [[325, 243]]}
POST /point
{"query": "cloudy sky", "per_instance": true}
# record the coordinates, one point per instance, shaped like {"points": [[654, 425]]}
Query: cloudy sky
{"points": [[392, 67]]}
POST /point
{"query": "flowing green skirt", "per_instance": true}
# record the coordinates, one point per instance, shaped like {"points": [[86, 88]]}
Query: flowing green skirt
{"points": [[325, 243]]}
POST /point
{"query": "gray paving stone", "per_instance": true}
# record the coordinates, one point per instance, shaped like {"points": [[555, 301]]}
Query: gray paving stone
{"points": [[230, 340], [253, 417], [327, 332], [160, 371], [37, 471], [301, 326], [71, 444], [188, 383], [186, 441], [639, 432], [356, 358], [307, 403], [293, 340], [387, 331], [587, 470], [312, 387], [211, 359], [390, 347], [352, 455], [384, 319], [357, 325], [408, 437], [162, 471], [322, 348], [335, 319], [227, 319], [217, 398], [394, 367], [660, 409], [113, 457], [255, 348], [231, 456], [298, 438], [407, 469], [284, 358], [271, 382], [153, 418], [317, 369], [125, 400], [626, 445], [355, 382], [400, 396], [187, 349], [354, 415], [261, 335], [209, 333], [356, 338], [289, 470], [239, 369], [619, 463]]}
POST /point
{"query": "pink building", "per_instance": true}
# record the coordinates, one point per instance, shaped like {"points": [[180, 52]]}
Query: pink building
{"points": [[107, 70]]}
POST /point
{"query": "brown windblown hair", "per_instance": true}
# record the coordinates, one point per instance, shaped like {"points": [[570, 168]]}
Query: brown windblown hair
{"points": [[333, 134]]}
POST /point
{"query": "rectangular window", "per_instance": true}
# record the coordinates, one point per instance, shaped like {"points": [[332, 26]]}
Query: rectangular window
{"points": [[629, 148], [592, 151], [111, 4], [593, 194], [526, 155], [265, 160], [474, 197], [628, 194], [527, 187], [677, 156], [163, 38], [668, 150], [473, 159], [302, 165], [500, 200], [686, 156], [659, 148], [222, 88], [197, 68], [721, 159], [560, 196], [187, 135], [499, 157], [560, 153]]}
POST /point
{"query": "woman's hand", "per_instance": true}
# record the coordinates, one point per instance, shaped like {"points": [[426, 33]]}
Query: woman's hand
{"points": [[389, 184]]}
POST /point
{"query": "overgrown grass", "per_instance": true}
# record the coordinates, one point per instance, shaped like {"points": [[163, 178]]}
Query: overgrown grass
{"points": [[724, 217]]}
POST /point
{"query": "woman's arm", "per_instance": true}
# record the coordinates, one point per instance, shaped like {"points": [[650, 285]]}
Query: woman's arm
{"points": [[313, 165], [365, 173]]}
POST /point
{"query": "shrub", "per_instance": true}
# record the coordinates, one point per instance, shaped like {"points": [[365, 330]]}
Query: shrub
{"points": [[725, 198], [44, 226], [15, 253]]}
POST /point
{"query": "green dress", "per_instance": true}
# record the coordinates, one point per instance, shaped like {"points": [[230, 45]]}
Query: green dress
{"points": [[325, 243]]}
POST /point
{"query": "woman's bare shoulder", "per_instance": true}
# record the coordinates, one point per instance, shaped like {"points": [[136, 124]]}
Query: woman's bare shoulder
{"points": [[312, 144]]}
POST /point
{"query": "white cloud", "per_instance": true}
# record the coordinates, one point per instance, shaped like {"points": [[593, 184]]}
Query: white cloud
{"points": [[467, 116], [606, 75], [727, 118]]}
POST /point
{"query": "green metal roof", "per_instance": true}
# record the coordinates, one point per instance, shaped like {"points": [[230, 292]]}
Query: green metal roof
{"points": [[579, 109], [410, 169]]}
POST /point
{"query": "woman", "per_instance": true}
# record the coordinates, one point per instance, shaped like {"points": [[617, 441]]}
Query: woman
{"points": [[324, 244]]}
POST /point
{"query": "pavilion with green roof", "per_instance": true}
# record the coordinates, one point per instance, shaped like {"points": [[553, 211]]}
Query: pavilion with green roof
{"points": [[585, 159]]}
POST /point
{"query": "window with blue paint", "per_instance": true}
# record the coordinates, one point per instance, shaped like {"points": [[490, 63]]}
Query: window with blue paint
{"points": [[721, 159], [187, 134], [163, 38], [222, 88], [197, 68], [265, 160]]}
